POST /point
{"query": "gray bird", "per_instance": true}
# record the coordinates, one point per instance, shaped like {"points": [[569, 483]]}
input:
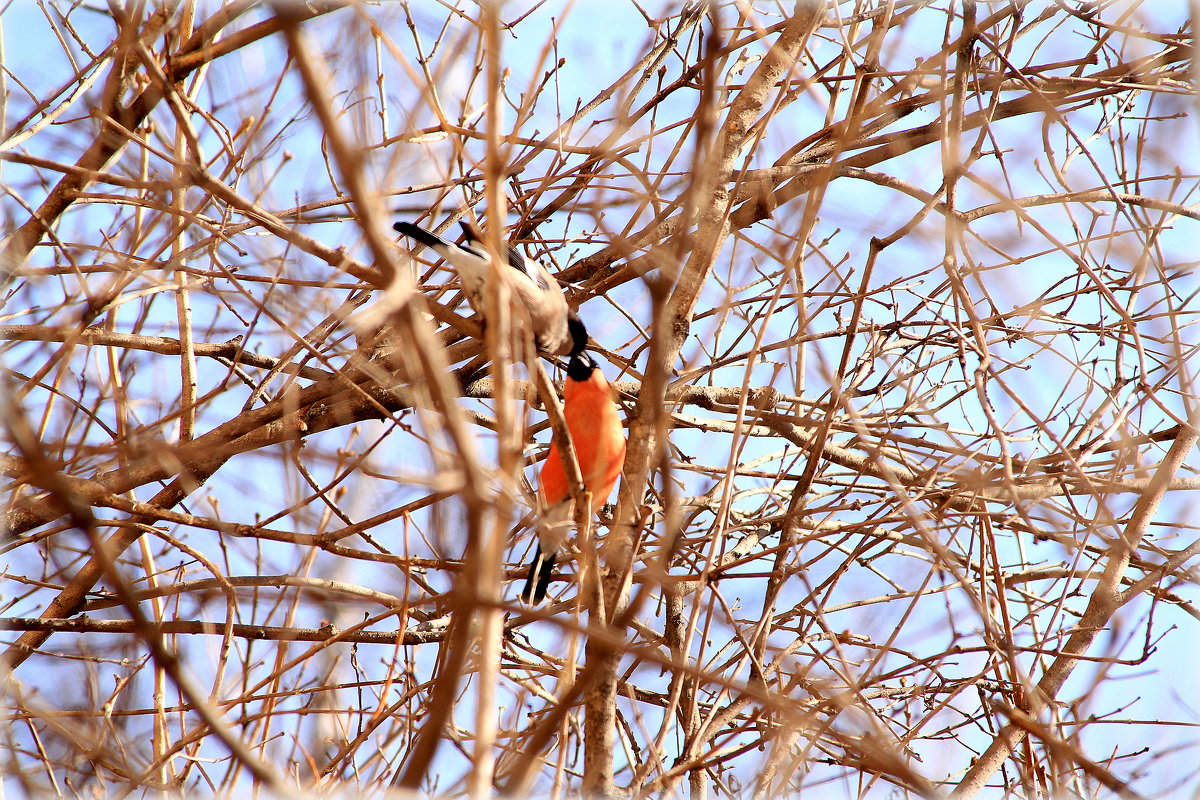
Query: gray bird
{"points": [[557, 330]]}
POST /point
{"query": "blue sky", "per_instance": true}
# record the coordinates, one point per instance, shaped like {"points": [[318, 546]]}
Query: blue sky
{"points": [[598, 39]]}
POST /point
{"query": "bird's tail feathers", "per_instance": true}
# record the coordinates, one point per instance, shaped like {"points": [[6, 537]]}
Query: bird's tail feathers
{"points": [[541, 570], [420, 235]]}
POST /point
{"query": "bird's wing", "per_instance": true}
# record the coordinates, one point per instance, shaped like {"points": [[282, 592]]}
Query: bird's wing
{"points": [[531, 269], [548, 312], [554, 525]]}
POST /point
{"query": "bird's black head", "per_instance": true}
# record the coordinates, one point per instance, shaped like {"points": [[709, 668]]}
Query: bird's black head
{"points": [[580, 367], [579, 334]]}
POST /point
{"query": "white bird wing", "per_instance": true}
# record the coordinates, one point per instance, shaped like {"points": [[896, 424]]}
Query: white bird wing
{"points": [[554, 525]]}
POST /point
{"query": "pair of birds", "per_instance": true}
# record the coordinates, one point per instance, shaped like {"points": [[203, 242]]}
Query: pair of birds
{"points": [[589, 410]]}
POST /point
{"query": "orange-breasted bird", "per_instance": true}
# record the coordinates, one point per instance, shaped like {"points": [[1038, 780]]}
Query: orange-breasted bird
{"points": [[599, 441], [557, 330]]}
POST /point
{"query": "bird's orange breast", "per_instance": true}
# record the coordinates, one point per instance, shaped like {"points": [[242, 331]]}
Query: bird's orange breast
{"points": [[599, 439]]}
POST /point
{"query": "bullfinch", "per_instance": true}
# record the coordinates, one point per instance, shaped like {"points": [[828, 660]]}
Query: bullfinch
{"points": [[557, 330], [591, 416]]}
